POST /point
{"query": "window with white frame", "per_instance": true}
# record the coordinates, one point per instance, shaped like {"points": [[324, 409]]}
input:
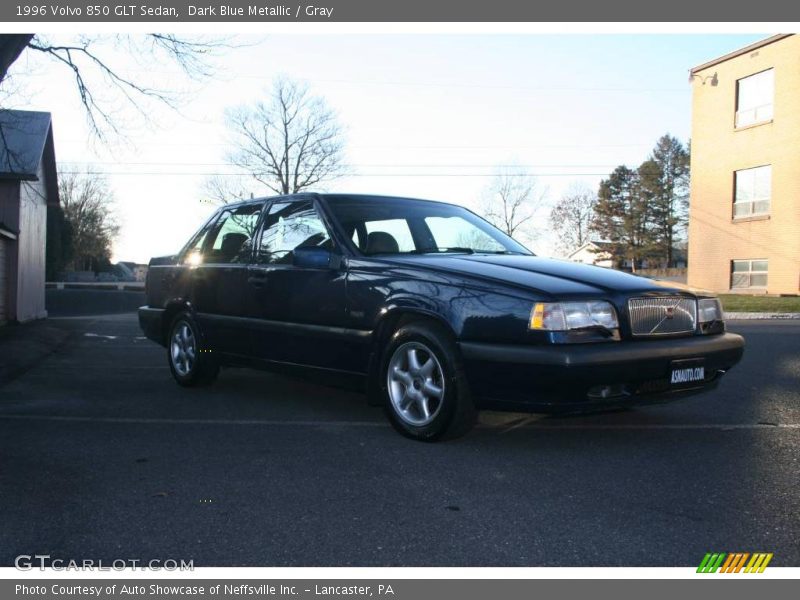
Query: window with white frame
{"points": [[748, 274], [753, 190], [754, 98]]}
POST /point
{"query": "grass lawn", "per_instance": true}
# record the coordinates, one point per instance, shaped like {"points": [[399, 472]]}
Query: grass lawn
{"points": [[744, 303]]}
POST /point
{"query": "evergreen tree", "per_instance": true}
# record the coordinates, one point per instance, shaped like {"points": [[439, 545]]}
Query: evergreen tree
{"points": [[643, 213], [623, 215], [667, 186]]}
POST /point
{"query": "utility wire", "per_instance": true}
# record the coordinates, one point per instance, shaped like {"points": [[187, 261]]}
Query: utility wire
{"points": [[190, 173], [356, 165], [408, 147]]}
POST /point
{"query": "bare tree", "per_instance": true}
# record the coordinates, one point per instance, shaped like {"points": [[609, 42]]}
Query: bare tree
{"points": [[103, 85], [289, 143], [512, 199], [224, 188], [571, 219], [87, 201]]}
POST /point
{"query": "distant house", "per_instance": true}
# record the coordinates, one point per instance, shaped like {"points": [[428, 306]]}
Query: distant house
{"points": [[28, 183], [680, 257], [594, 253], [599, 253]]}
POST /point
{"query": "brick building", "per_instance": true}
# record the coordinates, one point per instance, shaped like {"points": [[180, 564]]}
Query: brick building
{"points": [[744, 219]]}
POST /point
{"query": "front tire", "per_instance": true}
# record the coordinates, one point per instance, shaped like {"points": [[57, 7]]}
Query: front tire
{"points": [[425, 393], [191, 362]]}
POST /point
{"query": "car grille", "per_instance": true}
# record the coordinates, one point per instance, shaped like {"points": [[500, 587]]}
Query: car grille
{"points": [[662, 315]]}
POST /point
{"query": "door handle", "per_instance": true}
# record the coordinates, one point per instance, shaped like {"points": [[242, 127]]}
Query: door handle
{"points": [[257, 281]]}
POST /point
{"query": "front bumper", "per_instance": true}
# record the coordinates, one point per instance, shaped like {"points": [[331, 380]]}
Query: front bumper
{"points": [[151, 322], [566, 377]]}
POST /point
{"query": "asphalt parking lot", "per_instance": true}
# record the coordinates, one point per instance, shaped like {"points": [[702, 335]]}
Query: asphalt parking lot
{"points": [[102, 456]]}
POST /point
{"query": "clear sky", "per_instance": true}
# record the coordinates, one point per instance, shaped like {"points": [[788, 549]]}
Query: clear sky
{"points": [[426, 116]]}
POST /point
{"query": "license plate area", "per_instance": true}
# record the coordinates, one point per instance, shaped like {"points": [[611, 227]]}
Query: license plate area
{"points": [[687, 373]]}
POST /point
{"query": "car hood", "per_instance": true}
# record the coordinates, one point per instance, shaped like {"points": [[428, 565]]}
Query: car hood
{"points": [[543, 275]]}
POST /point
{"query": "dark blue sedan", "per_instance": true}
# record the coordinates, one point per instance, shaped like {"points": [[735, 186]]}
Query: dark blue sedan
{"points": [[428, 308]]}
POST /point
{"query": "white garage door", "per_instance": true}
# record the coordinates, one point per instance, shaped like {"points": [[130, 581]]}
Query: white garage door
{"points": [[3, 286]]}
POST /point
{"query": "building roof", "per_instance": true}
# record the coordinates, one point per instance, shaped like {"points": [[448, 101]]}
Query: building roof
{"points": [[7, 232], [26, 144], [23, 136], [755, 46], [11, 46], [598, 245]]}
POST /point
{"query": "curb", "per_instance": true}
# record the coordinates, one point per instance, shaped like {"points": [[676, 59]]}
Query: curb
{"points": [[757, 316]]}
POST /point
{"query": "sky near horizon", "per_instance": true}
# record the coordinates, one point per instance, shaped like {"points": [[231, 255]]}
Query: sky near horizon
{"points": [[426, 115]]}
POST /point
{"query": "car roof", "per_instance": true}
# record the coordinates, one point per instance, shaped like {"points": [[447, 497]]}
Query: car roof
{"points": [[329, 197], [334, 198]]}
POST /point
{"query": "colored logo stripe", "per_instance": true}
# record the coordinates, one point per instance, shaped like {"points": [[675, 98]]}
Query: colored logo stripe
{"points": [[734, 562], [711, 562], [758, 563]]}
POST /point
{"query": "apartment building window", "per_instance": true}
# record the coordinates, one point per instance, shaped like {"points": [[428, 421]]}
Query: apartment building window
{"points": [[754, 98], [749, 274], [753, 190]]}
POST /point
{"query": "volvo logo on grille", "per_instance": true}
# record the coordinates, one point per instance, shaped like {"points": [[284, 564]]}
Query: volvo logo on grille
{"points": [[666, 315]]}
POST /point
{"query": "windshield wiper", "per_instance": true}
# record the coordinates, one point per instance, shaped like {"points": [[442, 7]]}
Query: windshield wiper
{"points": [[453, 249], [464, 250]]}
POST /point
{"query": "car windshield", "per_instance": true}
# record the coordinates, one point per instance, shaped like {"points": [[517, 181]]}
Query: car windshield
{"points": [[401, 226]]}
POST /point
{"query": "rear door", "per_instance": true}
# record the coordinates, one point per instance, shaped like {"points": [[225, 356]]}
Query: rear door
{"points": [[218, 281], [299, 312]]}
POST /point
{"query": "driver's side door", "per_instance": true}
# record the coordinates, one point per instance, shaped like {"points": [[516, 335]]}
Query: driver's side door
{"points": [[218, 277]]}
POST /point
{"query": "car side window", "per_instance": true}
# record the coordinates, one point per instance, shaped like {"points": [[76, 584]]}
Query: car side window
{"points": [[388, 236], [193, 251], [290, 225], [231, 240]]}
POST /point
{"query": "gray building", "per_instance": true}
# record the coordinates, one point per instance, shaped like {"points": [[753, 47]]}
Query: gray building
{"points": [[28, 183]]}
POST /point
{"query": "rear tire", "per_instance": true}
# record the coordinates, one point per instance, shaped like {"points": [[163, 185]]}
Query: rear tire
{"points": [[190, 360], [423, 386]]}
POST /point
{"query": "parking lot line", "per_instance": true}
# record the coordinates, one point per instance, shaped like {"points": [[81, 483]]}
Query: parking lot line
{"points": [[382, 424], [70, 365], [162, 421]]}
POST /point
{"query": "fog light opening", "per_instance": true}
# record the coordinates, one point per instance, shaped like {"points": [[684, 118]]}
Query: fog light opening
{"points": [[604, 392]]}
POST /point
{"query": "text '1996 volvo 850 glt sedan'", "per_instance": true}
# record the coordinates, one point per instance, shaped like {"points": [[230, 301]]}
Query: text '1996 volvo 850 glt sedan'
{"points": [[434, 312]]}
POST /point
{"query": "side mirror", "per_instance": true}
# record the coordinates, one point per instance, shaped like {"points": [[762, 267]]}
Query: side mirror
{"points": [[193, 259], [314, 257]]}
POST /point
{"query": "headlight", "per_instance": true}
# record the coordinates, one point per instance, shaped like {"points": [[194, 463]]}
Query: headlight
{"points": [[564, 316], [709, 309]]}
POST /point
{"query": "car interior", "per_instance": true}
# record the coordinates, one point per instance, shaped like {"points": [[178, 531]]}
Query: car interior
{"points": [[232, 244], [380, 242]]}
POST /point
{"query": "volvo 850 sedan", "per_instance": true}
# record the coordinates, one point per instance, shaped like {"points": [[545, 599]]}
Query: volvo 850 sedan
{"points": [[434, 312]]}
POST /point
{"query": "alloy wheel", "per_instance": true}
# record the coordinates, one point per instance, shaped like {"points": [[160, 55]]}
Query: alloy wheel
{"points": [[183, 349], [415, 382]]}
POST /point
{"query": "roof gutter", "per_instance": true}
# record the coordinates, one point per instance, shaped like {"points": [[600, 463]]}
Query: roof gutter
{"points": [[741, 51], [5, 232]]}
